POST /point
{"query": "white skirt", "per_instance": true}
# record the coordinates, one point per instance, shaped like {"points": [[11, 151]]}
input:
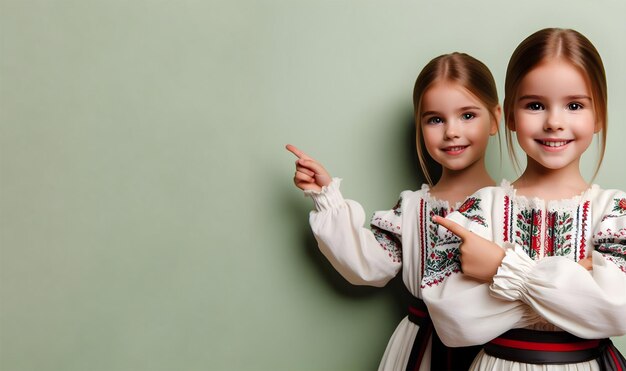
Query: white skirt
{"points": [[484, 362]]}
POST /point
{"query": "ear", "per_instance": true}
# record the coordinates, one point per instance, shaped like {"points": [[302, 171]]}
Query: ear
{"points": [[495, 124]]}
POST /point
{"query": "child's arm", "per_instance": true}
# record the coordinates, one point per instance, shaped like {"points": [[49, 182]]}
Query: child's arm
{"points": [[361, 256], [589, 304], [586, 304], [561, 291]]}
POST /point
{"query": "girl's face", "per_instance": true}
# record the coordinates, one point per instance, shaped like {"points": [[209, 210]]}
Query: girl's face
{"points": [[455, 125], [553, 115]]}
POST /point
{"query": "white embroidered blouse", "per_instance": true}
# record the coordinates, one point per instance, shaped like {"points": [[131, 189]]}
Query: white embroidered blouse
{"points": [[539, 284]]}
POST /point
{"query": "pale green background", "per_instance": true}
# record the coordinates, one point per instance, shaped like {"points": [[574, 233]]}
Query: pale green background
{"points": [[148, 219]]}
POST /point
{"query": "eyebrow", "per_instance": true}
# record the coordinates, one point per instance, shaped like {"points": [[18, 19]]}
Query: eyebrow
{"points": [[466, 108], [569, 97]]}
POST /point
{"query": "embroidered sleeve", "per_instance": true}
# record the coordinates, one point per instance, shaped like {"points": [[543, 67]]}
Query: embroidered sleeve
{"points": [[362, 256], [387, 229], [610, 238]]}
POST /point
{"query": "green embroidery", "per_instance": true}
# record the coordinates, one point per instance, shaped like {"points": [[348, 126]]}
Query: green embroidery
{"points": [[619, 209], [558, 234], [528, 228], [470, 209]]}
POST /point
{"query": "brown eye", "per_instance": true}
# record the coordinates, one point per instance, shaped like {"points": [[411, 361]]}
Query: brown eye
{"points": [[435, 120], [574, 106], [535, 106]]}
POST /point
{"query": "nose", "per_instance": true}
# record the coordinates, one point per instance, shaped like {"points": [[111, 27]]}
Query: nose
{"points": [[554, 121], [452, 130]]}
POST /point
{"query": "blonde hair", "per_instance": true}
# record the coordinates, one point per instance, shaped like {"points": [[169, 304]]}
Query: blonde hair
{"points": [[457, 68], [563, 44]]}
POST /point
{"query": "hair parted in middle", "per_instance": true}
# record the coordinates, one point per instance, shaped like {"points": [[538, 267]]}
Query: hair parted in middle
{"points": [[457, 68], [561, 44]]}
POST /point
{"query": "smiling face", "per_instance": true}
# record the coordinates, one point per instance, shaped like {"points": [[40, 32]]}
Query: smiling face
{"points": [[455, 125], [553, 116]]}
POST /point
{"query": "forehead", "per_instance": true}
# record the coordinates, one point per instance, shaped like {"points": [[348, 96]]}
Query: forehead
{"points": [[554, 78], [448, 95]]}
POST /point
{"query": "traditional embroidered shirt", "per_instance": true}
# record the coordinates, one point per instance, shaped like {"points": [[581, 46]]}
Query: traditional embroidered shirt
{"points": [[539, 284], [374, 256]]}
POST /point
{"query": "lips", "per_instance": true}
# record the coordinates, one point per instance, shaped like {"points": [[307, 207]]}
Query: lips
{"points": [[454, 150]]}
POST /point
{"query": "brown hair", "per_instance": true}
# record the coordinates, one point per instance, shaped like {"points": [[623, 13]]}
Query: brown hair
{"points": [[458, 68], [567, 45]]}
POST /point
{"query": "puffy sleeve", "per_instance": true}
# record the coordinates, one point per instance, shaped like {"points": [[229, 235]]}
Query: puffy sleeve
{"points": [[462, 309], [589, 304], [362, 256]]}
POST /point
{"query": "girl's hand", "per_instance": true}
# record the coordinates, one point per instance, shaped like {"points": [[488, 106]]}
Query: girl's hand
{"points": [[480, 258], [310, 174]]}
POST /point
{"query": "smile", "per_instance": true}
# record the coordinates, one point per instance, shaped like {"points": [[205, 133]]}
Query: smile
{"points": [[454, 150], [553, 143]]}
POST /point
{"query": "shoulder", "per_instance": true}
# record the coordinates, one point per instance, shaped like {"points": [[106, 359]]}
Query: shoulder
{"points": [[412, 198], [599, 195], [607, 200], [608, 204], [477, 211], [487, 196], [408, 202]]}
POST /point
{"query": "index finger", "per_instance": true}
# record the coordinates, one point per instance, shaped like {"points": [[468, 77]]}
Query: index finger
{"points": [[452, 226], [299, 154]]}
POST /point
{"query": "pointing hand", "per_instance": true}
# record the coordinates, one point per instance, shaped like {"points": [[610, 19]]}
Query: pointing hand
{"points": [[310, 174], [480, 258]]}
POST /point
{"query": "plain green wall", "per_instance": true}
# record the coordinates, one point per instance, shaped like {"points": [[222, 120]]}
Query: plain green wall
{"points": [[148, 219]]}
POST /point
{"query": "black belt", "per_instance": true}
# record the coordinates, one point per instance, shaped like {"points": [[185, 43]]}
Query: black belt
{"points": [[442, 358], [550, 347]]}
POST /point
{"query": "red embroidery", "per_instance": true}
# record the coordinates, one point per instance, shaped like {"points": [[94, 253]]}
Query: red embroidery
{"points": [[583, 241], [506, 218], [467, 205], [422, 244], [549, 239], [536, 228], [470, 207]]}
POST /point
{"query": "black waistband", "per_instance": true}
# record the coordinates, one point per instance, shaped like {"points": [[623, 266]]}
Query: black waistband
{"points": [[418, 312], [544, 347], [442, 358]]}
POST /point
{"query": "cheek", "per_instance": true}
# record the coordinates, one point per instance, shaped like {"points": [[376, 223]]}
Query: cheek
{"points": [[523, 131], [481, 133], [587, 134], [430, 140], [524, 120], [582, 127]]}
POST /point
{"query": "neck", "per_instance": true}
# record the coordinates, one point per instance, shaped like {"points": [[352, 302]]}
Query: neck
{"points": [[550, 184], [456, 185]]}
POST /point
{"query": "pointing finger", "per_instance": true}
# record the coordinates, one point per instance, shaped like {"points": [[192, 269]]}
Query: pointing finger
{"points": [[452, 226], [293, 149]]}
